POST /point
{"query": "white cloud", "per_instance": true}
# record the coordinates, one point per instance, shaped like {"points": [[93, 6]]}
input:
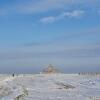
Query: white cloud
{"points": [[71, 14], [48, 19], [74, 14]]}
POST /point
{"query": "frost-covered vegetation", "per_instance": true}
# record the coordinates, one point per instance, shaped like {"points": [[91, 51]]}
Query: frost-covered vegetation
{"points": [[50, 87]]}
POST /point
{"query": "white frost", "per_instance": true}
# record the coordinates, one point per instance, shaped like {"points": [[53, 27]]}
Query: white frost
{"points": [[50, 87]]}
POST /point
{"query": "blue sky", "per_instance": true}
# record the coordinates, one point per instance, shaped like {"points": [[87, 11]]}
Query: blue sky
{"points": [[35, 33]]}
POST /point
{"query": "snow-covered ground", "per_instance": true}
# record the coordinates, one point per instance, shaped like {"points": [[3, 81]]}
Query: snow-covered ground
{"points": [[50, 87]]}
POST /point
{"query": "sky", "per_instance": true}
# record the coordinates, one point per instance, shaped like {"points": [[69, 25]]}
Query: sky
{"points": [[35, 33]]}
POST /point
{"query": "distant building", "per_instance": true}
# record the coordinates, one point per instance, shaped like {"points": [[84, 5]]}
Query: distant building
{"points": [[50, 70]]}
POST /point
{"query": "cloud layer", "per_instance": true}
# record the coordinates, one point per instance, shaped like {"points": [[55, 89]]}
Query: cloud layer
{"points": [[65, 55], [47, 5], [31, 6], [71, 14]]}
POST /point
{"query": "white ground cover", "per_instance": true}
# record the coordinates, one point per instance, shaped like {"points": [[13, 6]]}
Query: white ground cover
{"points": [[50, 87]]}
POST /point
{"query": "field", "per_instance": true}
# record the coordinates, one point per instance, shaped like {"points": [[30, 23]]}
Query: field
{"points": [[50, 87]]}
